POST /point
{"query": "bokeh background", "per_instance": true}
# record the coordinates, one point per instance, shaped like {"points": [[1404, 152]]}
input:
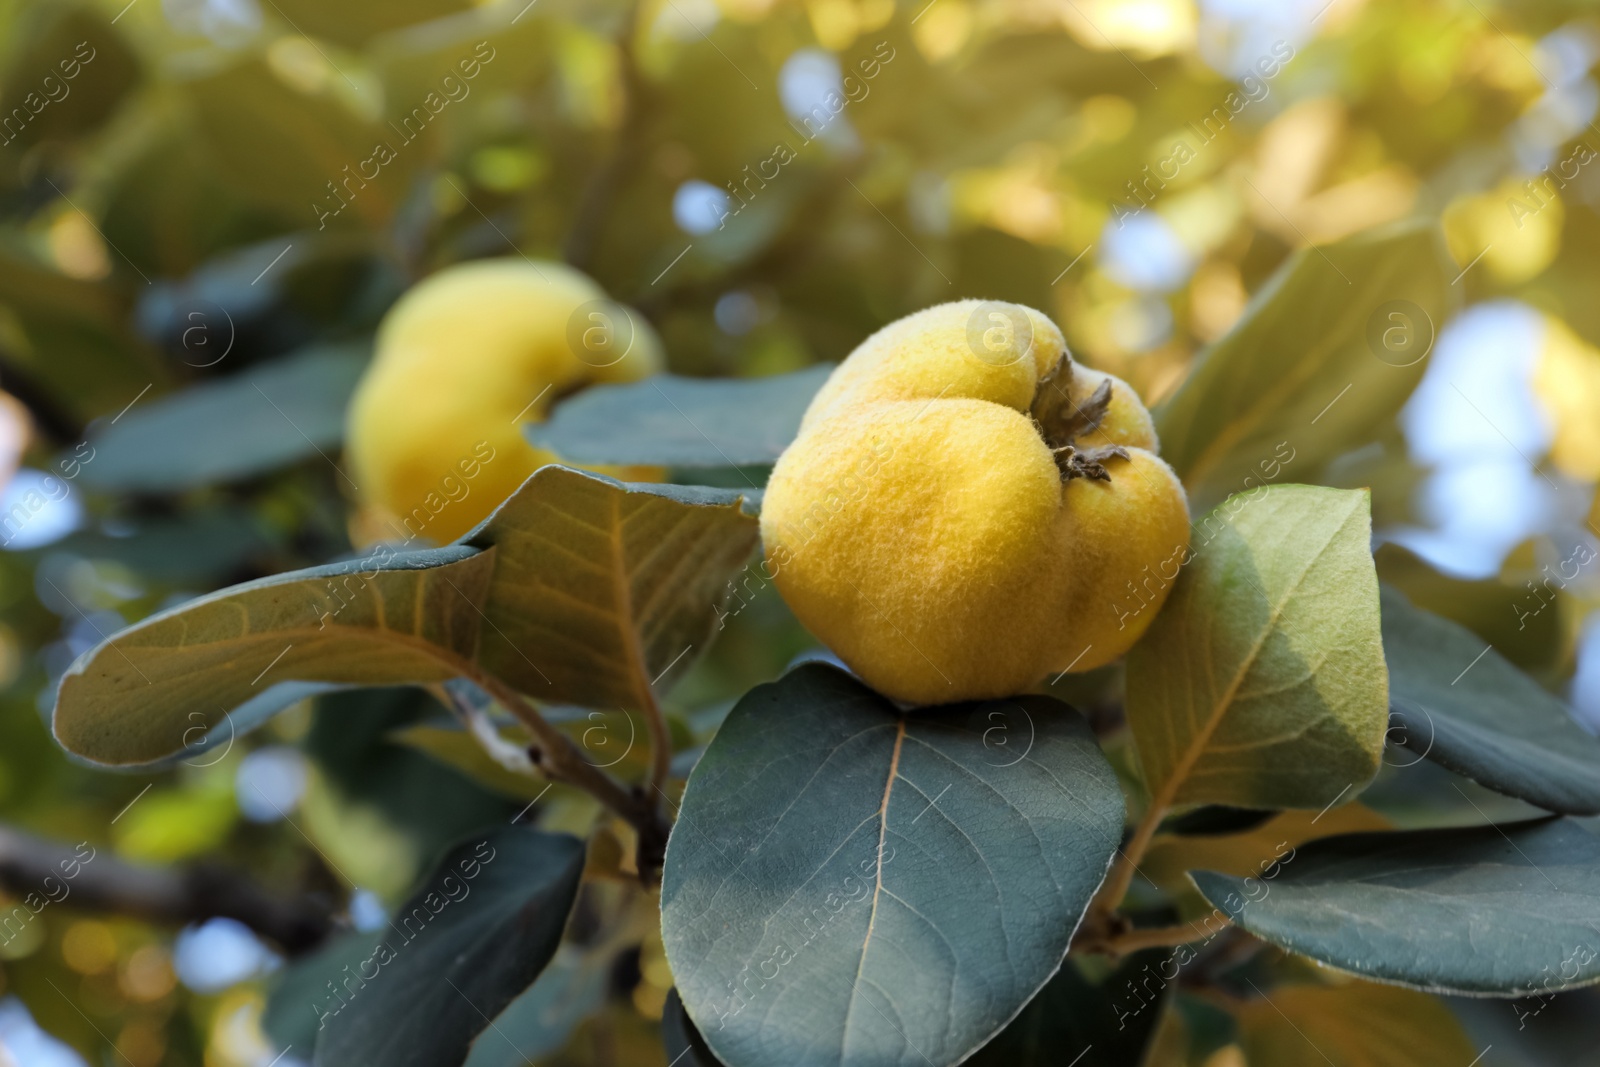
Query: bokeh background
{"points": [[199, 233]]}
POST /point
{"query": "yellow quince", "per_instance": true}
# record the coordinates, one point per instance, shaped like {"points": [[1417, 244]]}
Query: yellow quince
{"points": [[463, 360], [966, 510]]}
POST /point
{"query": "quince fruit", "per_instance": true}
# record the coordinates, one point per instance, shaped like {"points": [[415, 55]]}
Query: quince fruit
{"points": [[966, 510], [463, 360]]}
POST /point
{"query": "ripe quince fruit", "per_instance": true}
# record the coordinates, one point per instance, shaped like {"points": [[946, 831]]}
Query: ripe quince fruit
{"points": [[966, 510], [463, 360]]}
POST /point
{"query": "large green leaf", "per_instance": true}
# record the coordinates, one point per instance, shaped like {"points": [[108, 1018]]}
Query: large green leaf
{"points": [[154, 688], [1489, 910], [474, 936], [682, 422], [248, 423], [1456, 701], [848, 884], [1299, 370], [602, 588], [1262, 682]]}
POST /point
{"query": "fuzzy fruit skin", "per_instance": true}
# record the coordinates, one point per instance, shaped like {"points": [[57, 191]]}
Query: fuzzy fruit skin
{"points": [[459, 359], [920, 527]]}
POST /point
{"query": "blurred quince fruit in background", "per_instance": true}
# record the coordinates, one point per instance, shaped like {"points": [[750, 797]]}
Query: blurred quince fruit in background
{"points": [[463, 360], [966, 510]]}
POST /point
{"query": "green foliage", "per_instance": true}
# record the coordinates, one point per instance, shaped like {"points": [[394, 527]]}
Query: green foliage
{"points": [[1500, 729], [231, 429], [682, 422], [838, 861], [610, 586], [1369, 308], [160, 685], [523, 883], [201, 238], [1262, 682], [1407, 907]]}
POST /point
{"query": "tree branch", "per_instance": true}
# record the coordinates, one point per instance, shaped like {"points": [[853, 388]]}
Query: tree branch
{"points": [[42, 872], [583, 239], [559, 758]]}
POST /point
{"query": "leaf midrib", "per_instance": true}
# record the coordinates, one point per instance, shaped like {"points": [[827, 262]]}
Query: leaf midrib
{"points": [[1163, 798], [1237, 429], [877, 885]]}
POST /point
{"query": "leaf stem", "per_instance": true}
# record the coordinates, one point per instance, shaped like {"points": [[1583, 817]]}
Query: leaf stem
{"points": [[1136, 939], [660, 743], [1120, 877], [560, 759]]}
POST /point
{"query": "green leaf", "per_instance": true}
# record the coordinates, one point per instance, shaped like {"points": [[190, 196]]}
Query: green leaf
{"points": [[682, 422], [539, 1022], [154, 688], [603, 588], [477, 933], [848, 884], [1073, 1020], [1499, 911], [1262, 682], [1354, 1025], [1298, 372], [308, 156], [298, 995], [236, 427], [1456, 701], [685, 1047]]}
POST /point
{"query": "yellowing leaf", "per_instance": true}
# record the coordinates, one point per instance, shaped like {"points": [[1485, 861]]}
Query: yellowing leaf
{"points": [[1516, 228], [1251, 853], [154, 689], [1262, 684], [602, 588], [1567, 380], [1354, 1025]]}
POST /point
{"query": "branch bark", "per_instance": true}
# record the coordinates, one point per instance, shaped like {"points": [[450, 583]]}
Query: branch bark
{"points": [[48, 872]]}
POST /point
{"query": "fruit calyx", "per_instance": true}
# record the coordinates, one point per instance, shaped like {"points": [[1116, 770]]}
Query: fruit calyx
{"points": [[1061, 423]]}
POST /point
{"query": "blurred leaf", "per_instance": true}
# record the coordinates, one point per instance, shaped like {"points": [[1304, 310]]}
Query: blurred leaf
{"points": [[307, 156], [865, 864], [539, 1022], [1302, 368], [679, 1037], [298, 995], [74, 342], [197, 548], [353, 21], [177, 824], [1354, 1025], [452, 746], [1534, 643], [1262, 682], [379, 810], [1497, 911], [682, 422], [1109, 1023], [148, 691], [243, 425], [70, 71], [1500, 728], [446, 968], [602, 588], [488, 49]]}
